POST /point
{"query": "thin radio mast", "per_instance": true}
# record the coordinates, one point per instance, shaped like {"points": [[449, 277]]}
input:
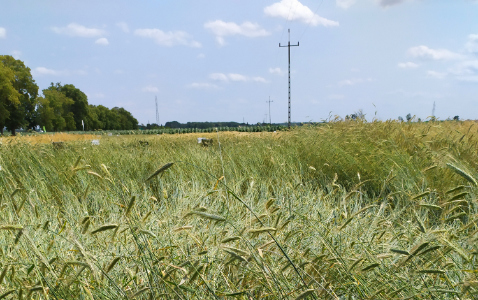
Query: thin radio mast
{"points": [[157, 111], [270, 122], [288, 46]]}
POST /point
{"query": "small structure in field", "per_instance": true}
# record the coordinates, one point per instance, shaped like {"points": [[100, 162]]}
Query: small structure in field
{"points": [[95, 142], [58, 145], [205, 142]]}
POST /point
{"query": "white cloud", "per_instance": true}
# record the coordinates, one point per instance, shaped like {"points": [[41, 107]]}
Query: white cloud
{"points": [[123, 26], [354, 81], [168, 39], [102, 41], [41, 71], [472, 43], [45, 71], [386, 3], [3, 33], [437, 75], [222, 29], [259, 79], [424, 52], [235, 77], [277, 71], [465, 68], [345, 3], [16, 54], [202, 85], [218, 77], [74, 29], [293, 10], [408, 65], [150, 89]]}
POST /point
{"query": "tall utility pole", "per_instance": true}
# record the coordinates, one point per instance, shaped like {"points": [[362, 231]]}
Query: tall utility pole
{"points": [[433, 111], [270, 122], [157, 111], [288, 46]]}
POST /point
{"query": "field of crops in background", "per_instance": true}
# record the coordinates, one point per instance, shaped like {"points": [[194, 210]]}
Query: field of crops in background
{"points": [[345, 210]]}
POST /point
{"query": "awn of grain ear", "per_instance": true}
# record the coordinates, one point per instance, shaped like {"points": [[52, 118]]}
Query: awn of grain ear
{"points": [[403, 252], [95, 174], [207, 216], [139, 292], [15, 192], [230, 239], [456, 216], [355, 263], [305, 294], [148, 232], [262, 230], [2, 275], [160, 170], [421, 195], [462, 173], [85, 226], [112, 264], [19, 235], [372, 266], [178, 229], [236, 250], [263, 246], [104, 228], [455, 189], [11, 227], [270, 202], [77, 162], [146, 216], [415, 250], [4, 295], [130, 205]]}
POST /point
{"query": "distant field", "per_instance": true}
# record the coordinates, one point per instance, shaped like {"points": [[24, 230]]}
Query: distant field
{"points": [[346, 210]]}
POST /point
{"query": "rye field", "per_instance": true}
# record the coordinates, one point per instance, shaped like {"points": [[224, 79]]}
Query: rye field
{"points": [[343, 210]]}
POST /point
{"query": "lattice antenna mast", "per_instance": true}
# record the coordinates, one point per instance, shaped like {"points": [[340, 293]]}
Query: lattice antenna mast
{"points": [[270, 122], [288, 46], [433, 110], [157, 111]]}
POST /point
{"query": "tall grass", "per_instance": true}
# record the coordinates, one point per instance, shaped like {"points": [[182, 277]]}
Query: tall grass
{"points": [[350, 210]]}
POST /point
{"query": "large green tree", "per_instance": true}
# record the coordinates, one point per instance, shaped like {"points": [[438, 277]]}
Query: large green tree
{"points": [[80, 106], [54, 111], [8, 95], [21, 113]]}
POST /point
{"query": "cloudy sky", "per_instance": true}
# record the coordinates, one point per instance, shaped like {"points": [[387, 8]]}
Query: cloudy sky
{"points": [[220, 60]]}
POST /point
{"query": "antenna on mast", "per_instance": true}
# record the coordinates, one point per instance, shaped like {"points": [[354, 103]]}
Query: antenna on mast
{"points": [[157, 111], [433, 111]]}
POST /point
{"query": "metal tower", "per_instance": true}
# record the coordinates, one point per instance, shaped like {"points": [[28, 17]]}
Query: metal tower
{"points": [[157, 111], [288, 46]]}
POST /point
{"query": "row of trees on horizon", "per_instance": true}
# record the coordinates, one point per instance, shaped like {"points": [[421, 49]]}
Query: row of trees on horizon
{"points": [[61, 108]]}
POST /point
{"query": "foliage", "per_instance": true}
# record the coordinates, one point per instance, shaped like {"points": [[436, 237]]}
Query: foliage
{"points": [[345, 210], [202, 125], [54, 111], [8, 95], [20, 114]]}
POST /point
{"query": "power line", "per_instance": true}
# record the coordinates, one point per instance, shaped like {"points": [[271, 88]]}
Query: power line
{"points": [[288, 46]]}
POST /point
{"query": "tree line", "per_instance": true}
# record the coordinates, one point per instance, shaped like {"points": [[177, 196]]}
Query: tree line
{"points": [[203, 125], [60, 108]]}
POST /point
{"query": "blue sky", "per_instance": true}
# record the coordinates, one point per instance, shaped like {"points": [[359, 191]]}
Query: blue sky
{"points": [[220, 60]]}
